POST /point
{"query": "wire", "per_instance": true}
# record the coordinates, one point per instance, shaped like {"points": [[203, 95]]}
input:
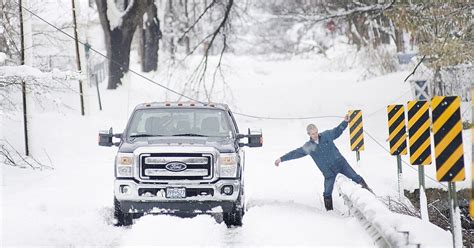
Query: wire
{"points": [[409, 166], [288, 118], [384, 107]]}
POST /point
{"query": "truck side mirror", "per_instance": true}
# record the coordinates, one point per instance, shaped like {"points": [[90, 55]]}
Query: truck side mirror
{"points": [[106, 136], [255, 138]]}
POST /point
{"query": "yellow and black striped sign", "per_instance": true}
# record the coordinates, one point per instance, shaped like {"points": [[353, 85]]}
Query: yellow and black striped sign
{"points": [[356, 130], [397, 135], [419, 139], [472, 145], [447, 130]]}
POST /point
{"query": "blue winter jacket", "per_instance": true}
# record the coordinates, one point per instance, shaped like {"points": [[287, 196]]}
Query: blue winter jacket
{"points": [[325, 154]]}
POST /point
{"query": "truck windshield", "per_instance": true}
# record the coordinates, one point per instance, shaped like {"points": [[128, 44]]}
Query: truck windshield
{"points": [[179, 122]]}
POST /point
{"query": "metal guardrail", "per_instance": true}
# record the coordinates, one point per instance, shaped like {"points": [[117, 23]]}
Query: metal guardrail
{"points": [[383, 235]]}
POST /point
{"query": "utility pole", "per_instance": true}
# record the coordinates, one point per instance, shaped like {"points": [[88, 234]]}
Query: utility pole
{"points": [[23, 83], [78, 55]]}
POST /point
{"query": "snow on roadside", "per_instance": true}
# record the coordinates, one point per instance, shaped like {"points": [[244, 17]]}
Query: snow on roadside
{"points": [[56, 208]]}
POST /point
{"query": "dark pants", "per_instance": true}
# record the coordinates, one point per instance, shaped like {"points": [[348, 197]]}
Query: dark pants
{"points": [[345, 169]]}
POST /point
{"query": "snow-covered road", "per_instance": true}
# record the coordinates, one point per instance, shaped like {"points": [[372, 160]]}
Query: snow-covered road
{"points": [[72, 206], [270, 223]]}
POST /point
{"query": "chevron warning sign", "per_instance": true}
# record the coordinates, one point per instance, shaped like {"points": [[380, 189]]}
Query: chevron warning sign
{"points": [[356, 130], [419, 139], [396, 130], [447, 129], [472, 168]]}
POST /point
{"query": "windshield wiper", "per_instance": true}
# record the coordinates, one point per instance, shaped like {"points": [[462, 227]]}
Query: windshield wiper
{"points": [[144, 135], [189, 134]]}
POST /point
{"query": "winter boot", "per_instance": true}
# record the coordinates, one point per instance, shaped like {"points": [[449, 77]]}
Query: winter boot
{"points": [[365, 186], [328, 203]]}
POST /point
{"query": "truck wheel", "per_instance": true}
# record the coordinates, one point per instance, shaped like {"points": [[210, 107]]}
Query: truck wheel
{"points": [[234, 217], [123, 219]]}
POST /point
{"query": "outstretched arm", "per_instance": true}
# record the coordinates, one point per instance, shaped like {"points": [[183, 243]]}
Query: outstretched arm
{"points": [[337, 131], [297, 153]]}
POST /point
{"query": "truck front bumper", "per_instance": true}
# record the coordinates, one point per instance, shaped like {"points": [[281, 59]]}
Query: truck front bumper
{"points": [[200, 198]]}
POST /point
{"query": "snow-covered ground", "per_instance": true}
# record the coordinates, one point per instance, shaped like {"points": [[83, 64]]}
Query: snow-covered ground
{"points": [[72, 204]]}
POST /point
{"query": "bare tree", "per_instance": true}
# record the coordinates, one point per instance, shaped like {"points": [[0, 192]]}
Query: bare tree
{"points": [[202, 35], [119, 28]]}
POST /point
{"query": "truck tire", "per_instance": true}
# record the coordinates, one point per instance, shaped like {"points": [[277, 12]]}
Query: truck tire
{"points": [[123, 219], [234, 217]]}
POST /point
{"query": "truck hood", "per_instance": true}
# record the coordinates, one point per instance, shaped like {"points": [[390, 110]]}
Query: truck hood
{"points": [[222, 144]]}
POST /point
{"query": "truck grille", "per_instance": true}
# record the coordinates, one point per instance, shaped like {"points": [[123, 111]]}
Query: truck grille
{"points": [[176, 166]]}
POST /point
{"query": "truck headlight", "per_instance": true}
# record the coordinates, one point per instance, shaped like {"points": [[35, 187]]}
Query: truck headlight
{"points": [[228, 164], [124, 164]]}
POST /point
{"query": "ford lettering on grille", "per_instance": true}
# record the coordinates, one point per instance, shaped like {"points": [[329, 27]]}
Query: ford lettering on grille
{"points": [[176, 166]]}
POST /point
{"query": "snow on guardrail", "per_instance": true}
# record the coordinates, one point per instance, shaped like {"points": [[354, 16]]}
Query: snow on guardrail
{"points": [[389, 229]]}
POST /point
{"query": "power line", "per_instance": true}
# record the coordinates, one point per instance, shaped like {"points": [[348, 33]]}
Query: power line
{"points": [[288, 118], [384, 107], [409, 166]]}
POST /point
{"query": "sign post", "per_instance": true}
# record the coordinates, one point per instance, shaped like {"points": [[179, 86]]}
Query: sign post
{"points": [[419, 140], [449, 153], [356, 132], [397, 139], [471, 206]]}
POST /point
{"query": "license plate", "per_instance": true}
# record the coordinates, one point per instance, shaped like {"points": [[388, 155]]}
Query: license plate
{"points": [[175, 192]]}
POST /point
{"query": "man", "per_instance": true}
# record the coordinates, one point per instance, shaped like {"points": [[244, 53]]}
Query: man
{"points": [[327, 157]]}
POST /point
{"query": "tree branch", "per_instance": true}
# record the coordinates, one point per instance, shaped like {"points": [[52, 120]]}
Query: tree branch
{"points": [[358, 10], [197, 20], [414, 70]]}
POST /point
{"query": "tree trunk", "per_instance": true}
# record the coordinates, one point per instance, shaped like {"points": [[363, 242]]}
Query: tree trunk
{"points": [[151, 38], [353, 37], [169, 19], [385, 37], [399, 40], [361, 29], [186, 39], [438, 89], [118, 40], [118, 50]]}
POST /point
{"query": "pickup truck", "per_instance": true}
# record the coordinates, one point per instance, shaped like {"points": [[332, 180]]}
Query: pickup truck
{"points": [[181, 159]]}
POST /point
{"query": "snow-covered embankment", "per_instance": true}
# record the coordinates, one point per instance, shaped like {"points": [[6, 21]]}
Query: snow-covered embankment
{"points": [[389, 229]]}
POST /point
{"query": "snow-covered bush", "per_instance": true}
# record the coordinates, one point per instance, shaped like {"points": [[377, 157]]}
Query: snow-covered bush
{"points": [[38, 85]]}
